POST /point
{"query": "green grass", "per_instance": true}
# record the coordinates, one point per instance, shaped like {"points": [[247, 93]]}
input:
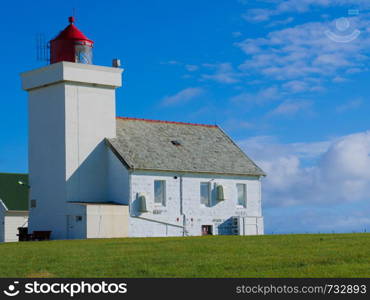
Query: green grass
{"points": [[316, 255]]}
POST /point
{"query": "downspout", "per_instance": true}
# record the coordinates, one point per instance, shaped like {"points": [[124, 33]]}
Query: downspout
{"points": [[243, 226], [129, 192], [260, 204], [182, 208]]}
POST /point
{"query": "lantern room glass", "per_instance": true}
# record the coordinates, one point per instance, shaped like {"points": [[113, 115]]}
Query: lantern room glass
{"points": [[83, 54]]}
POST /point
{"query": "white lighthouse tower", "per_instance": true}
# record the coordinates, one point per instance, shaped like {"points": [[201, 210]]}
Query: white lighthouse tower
{"points": [[71, 112]]}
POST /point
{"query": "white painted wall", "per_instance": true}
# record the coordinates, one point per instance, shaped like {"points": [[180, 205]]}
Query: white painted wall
{"points": [[89, 118], [47, 159], [13, 220], [71, 112], [167, 221], [107, 221], [159, 221], [118, 180]]}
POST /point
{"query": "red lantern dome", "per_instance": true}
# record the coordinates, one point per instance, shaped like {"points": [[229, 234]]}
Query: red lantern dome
{"points": [[71, 45]]}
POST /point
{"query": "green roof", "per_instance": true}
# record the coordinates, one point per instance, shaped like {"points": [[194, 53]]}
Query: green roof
{"points": [[14, 195]]}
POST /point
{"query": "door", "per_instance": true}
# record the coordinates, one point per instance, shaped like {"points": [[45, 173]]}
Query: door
{"points": [[74, 227], [207, 230]]}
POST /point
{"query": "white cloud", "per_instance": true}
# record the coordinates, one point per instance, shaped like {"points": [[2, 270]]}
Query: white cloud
{"points": [[222, 72], [188, 67], [234, 124], [304, 51], [267, 148], [351, 105], [296, 86], [339, 79], [258, 15], [191, 68], [262, 96], [341, 218], [313, 186], [171, 62], [331, 172], [298, 6], [236, 34], [291, 108], [183, 96], [281, 22], [354, 70]]}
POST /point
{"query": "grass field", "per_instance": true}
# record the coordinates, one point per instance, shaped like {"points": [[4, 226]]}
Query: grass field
{"points": [[320, 255]]}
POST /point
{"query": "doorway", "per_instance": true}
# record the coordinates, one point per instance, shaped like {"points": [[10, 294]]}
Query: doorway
{"points": [[207, 230]]}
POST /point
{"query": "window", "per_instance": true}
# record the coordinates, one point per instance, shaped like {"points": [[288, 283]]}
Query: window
{"points": [[205, 193], [176, 143], [33, 203], [242, 194], [160, 192]]}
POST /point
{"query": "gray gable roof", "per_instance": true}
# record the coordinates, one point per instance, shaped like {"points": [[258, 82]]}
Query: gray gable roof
{"points": [[150, 145]]}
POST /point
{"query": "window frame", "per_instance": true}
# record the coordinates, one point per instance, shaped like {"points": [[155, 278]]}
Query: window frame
{"points": [[244, 193], [209, 201], [164, 198]]}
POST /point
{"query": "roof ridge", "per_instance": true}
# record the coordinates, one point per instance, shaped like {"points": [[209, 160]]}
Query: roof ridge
{"points": [[167, 122]]}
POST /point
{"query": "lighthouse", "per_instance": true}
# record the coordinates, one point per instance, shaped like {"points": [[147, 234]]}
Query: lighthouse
{"points": [[71, 45], [71, 113], [92, 175]]}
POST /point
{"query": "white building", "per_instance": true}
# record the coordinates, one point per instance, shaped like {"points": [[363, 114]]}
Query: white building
{"points": [[94, 175], [13, 205]]}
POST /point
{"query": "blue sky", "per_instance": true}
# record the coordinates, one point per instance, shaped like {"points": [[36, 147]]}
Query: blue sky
{"points": [[288, 80]]}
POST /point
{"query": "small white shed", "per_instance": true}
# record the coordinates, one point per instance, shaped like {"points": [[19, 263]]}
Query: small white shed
{"points": [[98, 220], [13, 205]]}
